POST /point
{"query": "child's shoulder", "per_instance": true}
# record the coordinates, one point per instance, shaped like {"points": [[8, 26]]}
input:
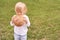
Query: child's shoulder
{"points": [[25, 16], [13, 16]]}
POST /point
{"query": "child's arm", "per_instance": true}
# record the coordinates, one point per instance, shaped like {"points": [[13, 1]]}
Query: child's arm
{"points": [[11, 23], [27, 21]]}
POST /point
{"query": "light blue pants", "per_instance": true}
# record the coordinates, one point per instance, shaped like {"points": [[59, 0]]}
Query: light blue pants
{"points": [[20, 37]]}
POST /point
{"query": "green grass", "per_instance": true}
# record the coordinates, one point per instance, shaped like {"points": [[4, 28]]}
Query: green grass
{"points": [[44, 16]]}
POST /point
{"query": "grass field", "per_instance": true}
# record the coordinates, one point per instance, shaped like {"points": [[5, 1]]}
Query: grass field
{"points": [[44, 16]]}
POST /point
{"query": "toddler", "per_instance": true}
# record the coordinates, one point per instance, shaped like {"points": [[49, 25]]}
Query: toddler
{"points": [[20, 32]]}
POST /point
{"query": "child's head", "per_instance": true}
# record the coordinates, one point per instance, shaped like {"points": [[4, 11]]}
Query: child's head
{"points": [[20, 8]]}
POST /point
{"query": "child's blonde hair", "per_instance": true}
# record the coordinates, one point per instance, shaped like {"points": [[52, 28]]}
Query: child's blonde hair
{"points": [[21, 6]]}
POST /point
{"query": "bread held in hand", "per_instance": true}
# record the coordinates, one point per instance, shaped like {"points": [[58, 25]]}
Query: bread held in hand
{"points": [[18, 20]]}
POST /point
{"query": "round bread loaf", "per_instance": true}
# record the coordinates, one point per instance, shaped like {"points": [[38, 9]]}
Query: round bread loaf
{"points": [[18, 20]]}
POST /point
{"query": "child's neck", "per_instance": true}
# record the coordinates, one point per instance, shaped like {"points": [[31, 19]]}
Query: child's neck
{"points": [[19, 13]]}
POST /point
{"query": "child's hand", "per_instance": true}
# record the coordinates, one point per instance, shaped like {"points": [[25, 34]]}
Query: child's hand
{"points": [[11, 23]]}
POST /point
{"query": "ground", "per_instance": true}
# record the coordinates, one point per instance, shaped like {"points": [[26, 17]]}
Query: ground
{"points": [[44, 16]]}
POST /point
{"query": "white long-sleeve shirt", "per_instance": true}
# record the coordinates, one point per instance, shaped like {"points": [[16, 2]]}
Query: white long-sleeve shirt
{"points": [[23, 29]]}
